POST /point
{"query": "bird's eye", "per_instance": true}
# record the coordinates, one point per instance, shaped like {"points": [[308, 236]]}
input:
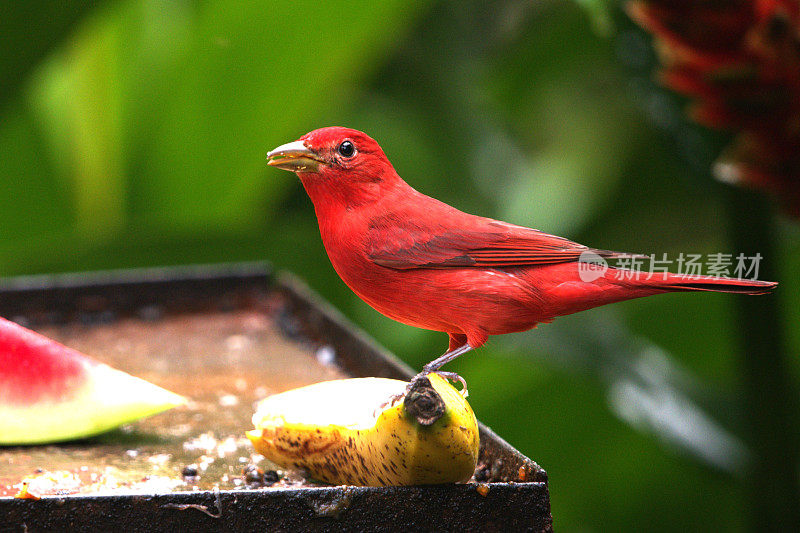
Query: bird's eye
{"points": [[347, 149]]}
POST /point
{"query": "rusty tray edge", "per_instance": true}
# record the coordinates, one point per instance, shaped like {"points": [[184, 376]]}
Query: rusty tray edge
{"points": [[505, 506]]}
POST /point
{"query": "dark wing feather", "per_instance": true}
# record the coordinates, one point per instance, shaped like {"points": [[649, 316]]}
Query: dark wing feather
{"points": [[492, 244]]}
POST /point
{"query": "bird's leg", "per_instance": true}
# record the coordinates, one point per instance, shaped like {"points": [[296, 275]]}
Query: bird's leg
{"points": [[439, 362], [445, 358]]}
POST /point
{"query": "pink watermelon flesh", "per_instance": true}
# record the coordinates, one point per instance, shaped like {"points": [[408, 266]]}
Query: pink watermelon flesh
{"points": [[34, 368], [49, 392]]}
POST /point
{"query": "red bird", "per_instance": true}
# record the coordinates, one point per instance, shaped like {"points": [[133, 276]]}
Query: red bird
{"points": [[429, 265]]}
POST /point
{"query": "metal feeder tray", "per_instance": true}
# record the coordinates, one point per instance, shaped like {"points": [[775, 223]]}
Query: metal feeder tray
{"points": [[225, 336]]}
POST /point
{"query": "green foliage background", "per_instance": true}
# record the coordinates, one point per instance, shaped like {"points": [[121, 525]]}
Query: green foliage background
{"points": [[134, 133]]}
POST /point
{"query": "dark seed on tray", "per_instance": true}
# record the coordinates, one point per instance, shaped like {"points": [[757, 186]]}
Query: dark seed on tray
{"points": [[190, 471], [253, 474], [271, 476]]}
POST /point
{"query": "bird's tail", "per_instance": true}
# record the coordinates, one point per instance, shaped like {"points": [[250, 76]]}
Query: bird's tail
{"points": [[608, 285], [681, 282]]}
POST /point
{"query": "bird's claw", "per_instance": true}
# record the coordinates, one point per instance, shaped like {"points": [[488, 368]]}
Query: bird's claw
{"points": [[451, 376]]}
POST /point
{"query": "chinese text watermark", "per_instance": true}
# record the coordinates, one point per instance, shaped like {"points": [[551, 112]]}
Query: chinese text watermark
{"points": [[592, 266]]}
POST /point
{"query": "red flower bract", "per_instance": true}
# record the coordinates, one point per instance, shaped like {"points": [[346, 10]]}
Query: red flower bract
{"points": [[739, 63]]}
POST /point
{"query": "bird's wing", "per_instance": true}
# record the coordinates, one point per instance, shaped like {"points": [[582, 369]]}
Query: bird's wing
{"points": [[486, 243]]}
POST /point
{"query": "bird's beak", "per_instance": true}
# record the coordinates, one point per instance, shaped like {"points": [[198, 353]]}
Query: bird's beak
{"points": [[295, 157]]}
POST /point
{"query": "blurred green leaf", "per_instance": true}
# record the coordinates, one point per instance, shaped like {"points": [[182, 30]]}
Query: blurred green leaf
{"points": [[29, 30], [157, 116], [600, 12], [251, 79]]}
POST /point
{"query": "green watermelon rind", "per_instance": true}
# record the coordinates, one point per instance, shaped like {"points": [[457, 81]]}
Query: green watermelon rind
{"points": [[107, 399]]}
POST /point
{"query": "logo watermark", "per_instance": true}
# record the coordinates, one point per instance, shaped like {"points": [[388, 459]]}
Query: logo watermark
{"points": [[591, 267]]}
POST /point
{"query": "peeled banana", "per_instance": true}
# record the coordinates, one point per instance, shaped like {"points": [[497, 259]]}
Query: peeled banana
{"points": [[370, 431]]}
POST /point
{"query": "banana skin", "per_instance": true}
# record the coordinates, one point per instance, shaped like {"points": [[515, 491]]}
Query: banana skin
{"points": [[371, 431]]}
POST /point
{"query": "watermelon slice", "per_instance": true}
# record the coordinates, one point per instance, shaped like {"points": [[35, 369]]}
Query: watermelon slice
{"points": [[49, 392]]}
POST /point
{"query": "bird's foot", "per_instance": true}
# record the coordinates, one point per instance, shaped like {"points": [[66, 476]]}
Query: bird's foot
{"points": [[451, 376]]}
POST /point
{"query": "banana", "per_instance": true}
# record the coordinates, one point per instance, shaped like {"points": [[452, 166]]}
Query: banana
{"points": [[370, 431]]}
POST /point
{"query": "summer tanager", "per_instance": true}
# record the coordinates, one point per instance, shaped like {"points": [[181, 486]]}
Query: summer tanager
{"points": [[429, 265]]}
